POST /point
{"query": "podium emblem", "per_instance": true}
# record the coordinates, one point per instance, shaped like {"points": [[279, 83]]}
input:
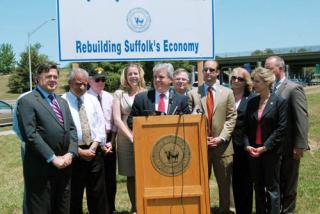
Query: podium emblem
{"points": [[171, 155]]}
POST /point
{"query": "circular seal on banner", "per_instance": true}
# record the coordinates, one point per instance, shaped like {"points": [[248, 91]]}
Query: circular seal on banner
{"points": [[171, 155], [138, 20]]}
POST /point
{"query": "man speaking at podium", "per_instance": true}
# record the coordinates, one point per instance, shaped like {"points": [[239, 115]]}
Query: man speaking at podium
{"points": [[160, 100]]}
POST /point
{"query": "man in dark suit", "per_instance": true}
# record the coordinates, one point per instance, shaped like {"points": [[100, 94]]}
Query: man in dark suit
{"points": [[50, 138], [219, 100], [160, 100], [297, 132]]}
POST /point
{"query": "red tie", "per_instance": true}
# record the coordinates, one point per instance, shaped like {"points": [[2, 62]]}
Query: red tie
{"points": [[161, 105], [210, 104]]}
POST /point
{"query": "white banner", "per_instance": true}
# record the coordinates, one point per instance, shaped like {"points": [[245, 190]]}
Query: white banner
{"points": [[123, 30]]}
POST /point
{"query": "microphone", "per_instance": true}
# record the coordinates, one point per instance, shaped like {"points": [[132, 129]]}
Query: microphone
{"points": [[148, 112], [170, 99], [153, 113], [159, 113], [199, 111], [177, 111], [171, 94]]}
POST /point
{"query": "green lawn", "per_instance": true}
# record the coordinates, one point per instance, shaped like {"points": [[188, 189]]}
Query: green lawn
{"points": [[11, 181], [6, 95]]}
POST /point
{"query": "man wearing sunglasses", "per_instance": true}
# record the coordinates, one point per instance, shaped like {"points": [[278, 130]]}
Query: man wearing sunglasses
{"points": [[218, 104], [97, 81]]}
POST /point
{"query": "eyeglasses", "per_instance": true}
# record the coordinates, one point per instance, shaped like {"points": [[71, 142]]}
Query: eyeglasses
{"points": [[102, 79], [240, 79], [210, 69]]}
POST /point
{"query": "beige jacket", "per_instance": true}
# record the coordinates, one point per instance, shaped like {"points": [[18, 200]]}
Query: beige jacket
{"points": [[224, 114]]}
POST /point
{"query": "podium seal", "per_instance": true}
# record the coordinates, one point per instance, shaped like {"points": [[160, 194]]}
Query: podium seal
{"points": [[171, 155]]}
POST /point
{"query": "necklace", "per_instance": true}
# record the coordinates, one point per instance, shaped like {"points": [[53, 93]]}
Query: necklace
{"points": [[264, 101]]}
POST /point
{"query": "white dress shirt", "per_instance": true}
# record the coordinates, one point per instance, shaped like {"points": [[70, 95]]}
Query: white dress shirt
{"points": [[279, 84], [166, 100], [94, 114], [213, 91], [106, 102]]}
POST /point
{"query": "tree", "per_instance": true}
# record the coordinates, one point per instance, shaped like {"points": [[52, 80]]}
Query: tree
{"points": [[257, 53], [112, 82], [268, 51], [7, 59], [114, 70], [301, 50], [19, 80]]}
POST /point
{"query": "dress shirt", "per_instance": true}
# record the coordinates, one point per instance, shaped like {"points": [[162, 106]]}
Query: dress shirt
{"points": [[94, 114], [238, 103], [213, 91], [166, 100], [279, 84], [106, 103], [46, 94]]}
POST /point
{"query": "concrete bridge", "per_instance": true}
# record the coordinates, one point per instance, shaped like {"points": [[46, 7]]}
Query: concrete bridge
{"points": [[295, 62]]}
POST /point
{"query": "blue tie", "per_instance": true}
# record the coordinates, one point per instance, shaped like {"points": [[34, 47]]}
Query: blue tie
{"points": [[276, 86]]}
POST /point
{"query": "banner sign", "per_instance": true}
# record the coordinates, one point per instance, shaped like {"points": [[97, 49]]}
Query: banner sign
{"points": [[134, 30]]}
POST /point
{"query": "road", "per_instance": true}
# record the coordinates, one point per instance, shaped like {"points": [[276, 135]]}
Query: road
{"points": [[9, 132]]}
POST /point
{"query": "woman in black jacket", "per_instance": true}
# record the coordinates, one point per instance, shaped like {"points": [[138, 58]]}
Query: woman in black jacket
{"points": [[241, 85], [264, 128]]}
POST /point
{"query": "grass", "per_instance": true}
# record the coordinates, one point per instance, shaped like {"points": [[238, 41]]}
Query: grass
{"points": [[4, 90], [11, 180]]}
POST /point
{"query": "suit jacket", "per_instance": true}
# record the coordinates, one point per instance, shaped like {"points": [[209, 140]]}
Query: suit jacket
{"points": [[273, 123], [237, 134], [297, 116], [43, 134], [224, 114], [144, 105]]}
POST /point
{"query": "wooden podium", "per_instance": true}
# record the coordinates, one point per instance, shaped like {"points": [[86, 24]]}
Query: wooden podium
{"points": [[171, 165]]}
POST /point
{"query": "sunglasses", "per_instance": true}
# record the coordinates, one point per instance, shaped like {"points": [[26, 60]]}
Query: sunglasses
{"points": [[102, 79], [210, 69], [240, 79]]}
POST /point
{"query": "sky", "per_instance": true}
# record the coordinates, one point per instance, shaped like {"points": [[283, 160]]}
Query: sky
{"points": [[240, 25]]}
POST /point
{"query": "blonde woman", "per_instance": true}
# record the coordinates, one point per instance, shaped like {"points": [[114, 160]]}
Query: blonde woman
{"points": [[132, 82], [265, 126]]}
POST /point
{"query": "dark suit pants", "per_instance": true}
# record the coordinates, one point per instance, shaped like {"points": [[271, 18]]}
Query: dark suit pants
{"points": [[89, 175], [242, 183], [47, 194], [289, 174], [266, 178], [110, 178]]}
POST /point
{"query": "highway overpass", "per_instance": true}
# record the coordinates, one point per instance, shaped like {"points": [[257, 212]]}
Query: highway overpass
{"points": [[295, 61]]}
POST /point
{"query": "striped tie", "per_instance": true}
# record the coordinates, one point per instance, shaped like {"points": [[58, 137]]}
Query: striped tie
{"points": [[55, 107]]}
